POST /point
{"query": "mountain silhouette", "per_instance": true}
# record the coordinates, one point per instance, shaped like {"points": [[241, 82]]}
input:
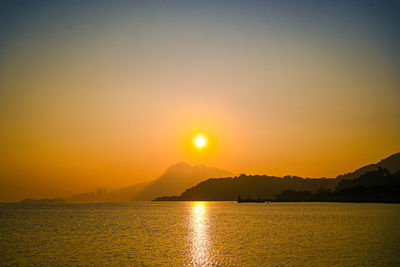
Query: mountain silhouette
{"points": [[174, 181], [257, 186], [391, 163], [374, 186], [379, 177], [267, 187]]}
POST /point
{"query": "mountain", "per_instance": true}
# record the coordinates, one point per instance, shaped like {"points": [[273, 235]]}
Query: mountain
{"points": [[174, 181], [126, 193], [391, 163], [267, 187], [379, 177], [374, 186]]}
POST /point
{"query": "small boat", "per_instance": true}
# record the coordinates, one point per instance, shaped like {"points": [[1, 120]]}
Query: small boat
{"points": [[250, 200]]}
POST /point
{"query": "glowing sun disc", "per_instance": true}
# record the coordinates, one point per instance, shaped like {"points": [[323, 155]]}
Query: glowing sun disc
{"points": [[200, 141]]}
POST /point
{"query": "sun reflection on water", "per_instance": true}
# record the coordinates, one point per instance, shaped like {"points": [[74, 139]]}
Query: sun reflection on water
{"points": [[200, 243]]}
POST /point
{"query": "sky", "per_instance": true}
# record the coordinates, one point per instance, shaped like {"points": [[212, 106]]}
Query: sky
{"points": [[111, 93]]}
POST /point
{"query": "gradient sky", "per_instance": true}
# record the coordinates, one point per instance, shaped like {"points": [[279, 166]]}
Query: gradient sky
{"points": [[110, 93]]}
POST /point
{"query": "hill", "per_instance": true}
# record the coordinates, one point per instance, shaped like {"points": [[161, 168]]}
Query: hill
{"points": [[267, 187], [391, 163], [374, 186], [379, 177], [174, 181]]}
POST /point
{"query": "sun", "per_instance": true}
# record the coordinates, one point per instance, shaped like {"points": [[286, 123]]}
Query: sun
{"points": [[200, 141]]}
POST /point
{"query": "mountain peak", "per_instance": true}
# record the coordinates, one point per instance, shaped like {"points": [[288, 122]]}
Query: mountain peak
{"points": [[178, 167], [180, 164]]}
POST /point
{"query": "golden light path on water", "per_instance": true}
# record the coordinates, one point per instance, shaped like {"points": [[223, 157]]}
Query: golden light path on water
{"points": [[201, 249]]}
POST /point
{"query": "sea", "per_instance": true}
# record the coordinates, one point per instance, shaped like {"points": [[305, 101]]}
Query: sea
{"points": [[200, 234]]}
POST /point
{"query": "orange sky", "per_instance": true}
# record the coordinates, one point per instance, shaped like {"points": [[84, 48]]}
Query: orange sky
{"points": [[110, 97]]}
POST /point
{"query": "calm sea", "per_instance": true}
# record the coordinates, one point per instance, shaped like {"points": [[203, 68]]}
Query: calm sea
{"points": [[200, 233]]}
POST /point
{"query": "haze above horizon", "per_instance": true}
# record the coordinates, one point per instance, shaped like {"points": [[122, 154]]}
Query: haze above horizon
{"points": [[109, 94]]}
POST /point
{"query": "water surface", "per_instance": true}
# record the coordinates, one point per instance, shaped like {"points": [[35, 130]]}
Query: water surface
{"points": [[200, 233]]}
